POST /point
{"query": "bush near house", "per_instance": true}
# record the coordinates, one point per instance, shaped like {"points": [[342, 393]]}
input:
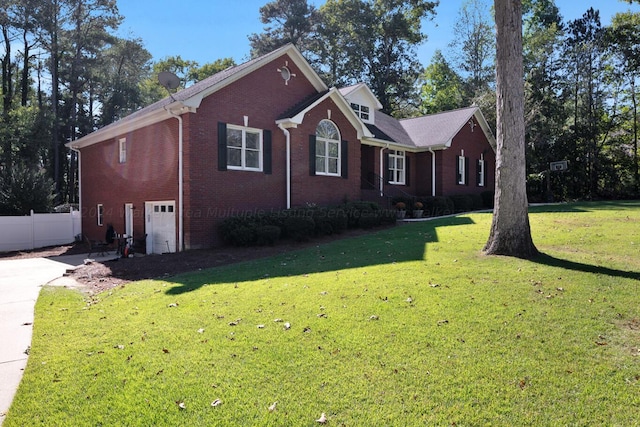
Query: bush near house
{"points": [[302, 224]]}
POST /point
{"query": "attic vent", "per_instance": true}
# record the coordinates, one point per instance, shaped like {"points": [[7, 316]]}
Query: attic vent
{"points": [[472, 124], [286, 73]]}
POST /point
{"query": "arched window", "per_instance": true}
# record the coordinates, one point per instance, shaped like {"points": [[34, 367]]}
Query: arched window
{"points": [[327, 149]]}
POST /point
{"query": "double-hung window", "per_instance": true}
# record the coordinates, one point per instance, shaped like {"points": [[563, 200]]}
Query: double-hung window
{"points": [[480, 179], [462, 170], [397, 167], [100, 213], [244, 148], [327, 149], [122, 150]]}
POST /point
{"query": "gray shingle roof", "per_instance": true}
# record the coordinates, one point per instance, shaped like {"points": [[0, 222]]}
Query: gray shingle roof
{"points": [[439, 129]]}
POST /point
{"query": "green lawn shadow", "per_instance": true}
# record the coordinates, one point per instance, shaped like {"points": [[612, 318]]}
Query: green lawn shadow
{"points": [[552, 261], [395, 245]]}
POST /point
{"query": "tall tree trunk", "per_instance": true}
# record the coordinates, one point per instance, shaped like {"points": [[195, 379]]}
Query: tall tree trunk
{"points": [[55, 138], [24, 84], [510, 231], [636, 171], [7, 78]]}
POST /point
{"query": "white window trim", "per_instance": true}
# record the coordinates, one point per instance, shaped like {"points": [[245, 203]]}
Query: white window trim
{"points": [[100, 214], [326, 157], [398, 154], [122, 150], [481, 173], [243, 149], [358, 108], [462, 161]]}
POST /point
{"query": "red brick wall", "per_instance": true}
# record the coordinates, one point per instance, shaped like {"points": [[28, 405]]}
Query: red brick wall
{"points": [[318, 189], [212, 195], [474, 143], [149, 174]]}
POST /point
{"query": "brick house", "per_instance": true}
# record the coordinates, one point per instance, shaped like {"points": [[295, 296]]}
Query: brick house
{"points": [[267, 134]]}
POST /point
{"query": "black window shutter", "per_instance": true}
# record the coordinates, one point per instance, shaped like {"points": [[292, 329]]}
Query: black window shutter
{"points": [[466, 171], [266, 155], [407, 170], [484, 171], [387, 172], [458, 171], [222, 146], [344, 159], [312, 155]]}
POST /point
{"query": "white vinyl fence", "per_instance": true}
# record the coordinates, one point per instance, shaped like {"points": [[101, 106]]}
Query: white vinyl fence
{"points": [[38, 230]]}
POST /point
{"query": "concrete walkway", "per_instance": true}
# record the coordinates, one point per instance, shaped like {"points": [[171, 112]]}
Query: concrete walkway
{"points": [[20, 284]]}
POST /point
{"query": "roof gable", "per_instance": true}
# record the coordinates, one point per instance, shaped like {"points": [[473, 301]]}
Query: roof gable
{"points": [[189, 99], [432, 132], [295, 116]]}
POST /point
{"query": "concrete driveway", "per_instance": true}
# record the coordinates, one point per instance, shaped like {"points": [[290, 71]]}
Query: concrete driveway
{"points": [[20, 284]]}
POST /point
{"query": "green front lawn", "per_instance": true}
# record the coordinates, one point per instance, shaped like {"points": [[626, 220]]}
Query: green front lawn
{"points": [[407, 326]]}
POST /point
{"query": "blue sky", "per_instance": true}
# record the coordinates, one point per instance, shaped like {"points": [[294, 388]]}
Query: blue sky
{"points": [[206, 30]]}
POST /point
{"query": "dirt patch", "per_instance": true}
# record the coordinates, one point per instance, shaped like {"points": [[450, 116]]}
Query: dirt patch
{"points": [[100, 276]]}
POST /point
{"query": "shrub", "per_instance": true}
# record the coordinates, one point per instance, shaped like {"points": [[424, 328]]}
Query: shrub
{"points": [[241, 235], [442, 205], [238, 231], [300, 227], [356, 210], [462, 203], [268, 234], [476, 201], [487, 199], [370, 219]]}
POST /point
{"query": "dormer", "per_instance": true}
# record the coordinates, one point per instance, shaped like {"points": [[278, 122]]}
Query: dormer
{"points": [[362, 101]]}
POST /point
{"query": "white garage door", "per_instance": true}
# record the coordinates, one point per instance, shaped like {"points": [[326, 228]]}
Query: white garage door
{"points": [[160, 226]]}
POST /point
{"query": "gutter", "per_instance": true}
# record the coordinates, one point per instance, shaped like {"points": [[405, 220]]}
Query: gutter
{"points": [[180, 182], [79, 179], [287, 135]]}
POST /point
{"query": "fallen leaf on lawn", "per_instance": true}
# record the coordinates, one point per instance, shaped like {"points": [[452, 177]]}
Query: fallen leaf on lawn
{"points": [[260, 326], [273, 406], [119, 347], [434, 285], [409, 300], [287, 326], [181, 404], [165, 351], [442, 322], [307, 329], [278, 320], [322, 419], [216, 402], [201, 330], [173, 304], [322, 315], [324, 293], [373, 317], [233, 323]]}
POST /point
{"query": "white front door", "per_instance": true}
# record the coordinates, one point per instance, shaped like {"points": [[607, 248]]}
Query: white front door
{"points": [[160, 227]]}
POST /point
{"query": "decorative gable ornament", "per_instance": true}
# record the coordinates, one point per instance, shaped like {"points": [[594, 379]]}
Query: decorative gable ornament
{"points": [[286, 73]]}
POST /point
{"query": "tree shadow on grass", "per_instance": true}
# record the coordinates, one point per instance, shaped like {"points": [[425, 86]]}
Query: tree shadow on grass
{"points": [[395, 245], [584, 268]]}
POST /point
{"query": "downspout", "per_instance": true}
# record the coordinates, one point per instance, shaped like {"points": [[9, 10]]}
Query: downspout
{"points": [[180, 182], [287, 135], [382, 169], [433, 172], [79, 182]]}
